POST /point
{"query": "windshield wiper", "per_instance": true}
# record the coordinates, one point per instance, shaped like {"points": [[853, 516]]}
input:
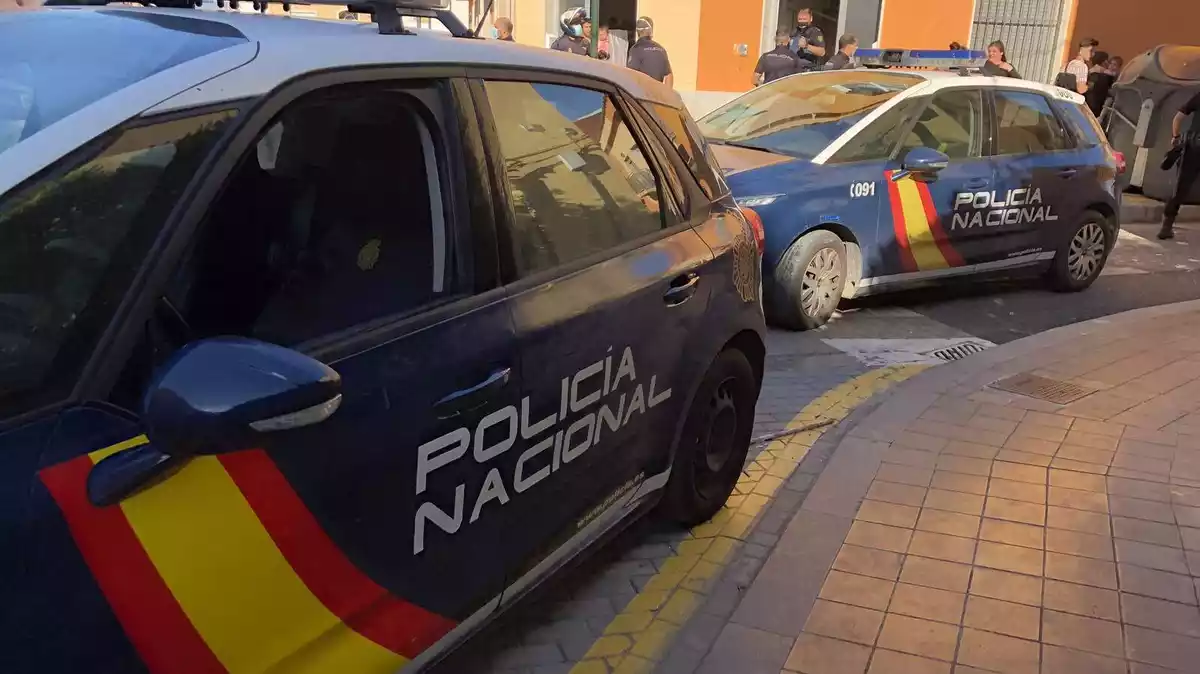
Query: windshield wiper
{"points": [[746, 146]]}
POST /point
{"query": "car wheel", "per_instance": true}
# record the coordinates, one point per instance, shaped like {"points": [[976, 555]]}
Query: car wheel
{"points": [[1081, 259], [716, 436], [810, 280]]}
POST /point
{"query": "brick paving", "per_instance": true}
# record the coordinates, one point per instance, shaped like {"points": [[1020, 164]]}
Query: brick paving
{"points": [[959, 528]]}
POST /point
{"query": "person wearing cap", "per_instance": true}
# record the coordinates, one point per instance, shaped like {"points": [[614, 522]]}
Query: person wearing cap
{"points": [[779, 62], [649, 57], [807, 40], [572, 40], [844, 58]]}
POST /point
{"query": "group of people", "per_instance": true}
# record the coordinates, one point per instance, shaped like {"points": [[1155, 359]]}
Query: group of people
{"points": [[644, 55], [803, 49], [1092, 73]]}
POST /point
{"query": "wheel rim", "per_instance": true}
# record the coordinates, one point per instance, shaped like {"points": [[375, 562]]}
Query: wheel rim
{"points": [[822, 286], [716, 439], [1086, 252]]}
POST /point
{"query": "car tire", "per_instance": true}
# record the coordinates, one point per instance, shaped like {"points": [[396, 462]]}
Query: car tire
{"points": [[809, 281], [714, 441], [1081, 258]]}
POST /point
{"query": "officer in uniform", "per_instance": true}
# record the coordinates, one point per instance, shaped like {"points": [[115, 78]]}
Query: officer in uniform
{"points": [[1188, 145], [807, 40], [779, 62], [649, 57], [844, 58], [572, 40]]}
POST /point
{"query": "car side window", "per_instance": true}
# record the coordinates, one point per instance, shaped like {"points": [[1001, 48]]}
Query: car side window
{"points": [[1082, 122], [679, 128], [336, 217], [952, 124], [1026, 124], [875, 143], [580, 182], [73, 238]]}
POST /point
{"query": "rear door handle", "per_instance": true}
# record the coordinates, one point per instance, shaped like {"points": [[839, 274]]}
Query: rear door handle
{"points": [[682, 288], [977, 183], [472, 397], [1068, 172]]}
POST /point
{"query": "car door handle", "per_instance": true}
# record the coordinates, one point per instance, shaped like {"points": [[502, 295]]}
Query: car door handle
{"points": [[472, 397], [977, 183], [1068, 173], [682, 288]]}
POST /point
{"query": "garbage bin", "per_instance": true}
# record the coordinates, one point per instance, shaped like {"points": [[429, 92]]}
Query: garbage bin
{"points": [[1146, 96]]}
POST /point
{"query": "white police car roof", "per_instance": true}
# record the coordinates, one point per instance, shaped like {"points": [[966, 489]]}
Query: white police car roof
{"points": [[290, 47]]}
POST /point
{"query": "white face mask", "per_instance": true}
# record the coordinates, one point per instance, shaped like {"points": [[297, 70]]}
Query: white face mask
{"points": [[577, 30]]}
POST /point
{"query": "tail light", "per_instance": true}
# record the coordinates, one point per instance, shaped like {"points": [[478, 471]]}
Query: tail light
{"points": [[1120, 159], [756, 225]]}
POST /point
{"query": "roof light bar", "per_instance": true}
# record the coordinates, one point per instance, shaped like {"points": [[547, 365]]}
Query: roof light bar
{"points": [[920, 58]]}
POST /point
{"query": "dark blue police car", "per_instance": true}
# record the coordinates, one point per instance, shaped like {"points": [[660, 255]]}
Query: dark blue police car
{"points": [[871, 180], [321, 346]]}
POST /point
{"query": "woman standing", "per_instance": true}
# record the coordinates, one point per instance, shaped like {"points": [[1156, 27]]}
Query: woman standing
{"points": [[997, 63], [1100, 80]]}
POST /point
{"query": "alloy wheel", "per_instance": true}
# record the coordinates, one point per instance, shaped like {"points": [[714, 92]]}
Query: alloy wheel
{"points": [[822, 285], [1086, 252]]}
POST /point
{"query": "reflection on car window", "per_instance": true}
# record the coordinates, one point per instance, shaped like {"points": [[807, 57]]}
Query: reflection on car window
{"points": [[689, 145], [1025, 124], [876, 142], [801, 116], [950, 124], [71, 241], [580, 183]]}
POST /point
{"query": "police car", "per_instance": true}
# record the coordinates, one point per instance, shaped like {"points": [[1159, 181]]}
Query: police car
{"points": [[321, 342], [875, 179]]}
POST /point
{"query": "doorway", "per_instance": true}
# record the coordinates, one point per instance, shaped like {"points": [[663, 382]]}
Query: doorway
{"points": [[825, 16]]}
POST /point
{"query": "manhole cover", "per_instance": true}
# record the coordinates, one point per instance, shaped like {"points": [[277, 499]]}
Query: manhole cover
{"points": [[958, 351], [1043, 388]]}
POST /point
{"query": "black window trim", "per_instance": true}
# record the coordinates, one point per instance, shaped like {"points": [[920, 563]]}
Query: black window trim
{"points": [[1062, 126], [691, 182], [513, 283], [115, 347], [647, 133]]}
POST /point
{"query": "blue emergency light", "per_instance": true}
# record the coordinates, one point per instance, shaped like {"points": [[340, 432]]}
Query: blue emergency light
{"points": [[946, 59]]}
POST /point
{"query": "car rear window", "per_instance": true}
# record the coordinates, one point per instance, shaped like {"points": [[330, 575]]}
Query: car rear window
{"points": [[1081, 122], [54, 63]]}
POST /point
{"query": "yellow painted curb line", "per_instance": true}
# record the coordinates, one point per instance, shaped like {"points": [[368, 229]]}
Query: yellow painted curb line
{"points": [[638, 638]]}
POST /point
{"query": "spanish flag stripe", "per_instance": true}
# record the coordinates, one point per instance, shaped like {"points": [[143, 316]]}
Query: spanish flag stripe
{"points": [[239, 591], [366, 607], [920, 239], [153, 620], [901, 232], [935, 226]]}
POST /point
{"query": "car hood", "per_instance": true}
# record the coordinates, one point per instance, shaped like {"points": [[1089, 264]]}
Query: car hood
{"points": [[737, 159], [753, 172]]}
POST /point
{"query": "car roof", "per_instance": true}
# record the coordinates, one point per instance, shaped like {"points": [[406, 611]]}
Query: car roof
{"points": [[295, 46]]}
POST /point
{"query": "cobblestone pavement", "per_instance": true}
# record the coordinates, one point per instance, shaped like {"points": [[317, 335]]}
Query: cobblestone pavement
{"points": [[958, 526]]}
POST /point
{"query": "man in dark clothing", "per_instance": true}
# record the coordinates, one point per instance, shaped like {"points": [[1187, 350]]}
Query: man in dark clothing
{"points": [[807, 40], [649, 57], [779, 62], [1189, 163], [844, 58], [572, 40], [503, 29]]}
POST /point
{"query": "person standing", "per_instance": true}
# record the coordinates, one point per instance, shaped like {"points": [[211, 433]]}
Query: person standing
{"points": [[1079, 65], [844, 58], [571, 25], [1189, 162], [807, 40], [612, 46], [997, 64], [1100, 81], [649, 57], [503, 29], [779, 62]]}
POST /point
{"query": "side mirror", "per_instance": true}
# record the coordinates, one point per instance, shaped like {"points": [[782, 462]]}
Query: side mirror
{"points": [[221, 394], [217, 395], [924, 161]]}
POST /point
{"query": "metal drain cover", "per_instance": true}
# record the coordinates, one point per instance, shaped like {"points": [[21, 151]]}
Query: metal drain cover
{"points": [[1043, 388], [958, 351]]}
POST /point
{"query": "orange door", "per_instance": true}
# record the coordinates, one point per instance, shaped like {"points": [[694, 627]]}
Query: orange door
{"points": [[724, 25]]}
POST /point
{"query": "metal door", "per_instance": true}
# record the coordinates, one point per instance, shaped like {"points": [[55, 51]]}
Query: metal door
{"points": [[1031, 31]]}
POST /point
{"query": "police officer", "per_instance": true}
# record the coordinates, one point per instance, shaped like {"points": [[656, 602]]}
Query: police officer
{"points": [[1189, 162], [844, 58], [807, 40], [779, 62], [572, 40], [649, 57]]}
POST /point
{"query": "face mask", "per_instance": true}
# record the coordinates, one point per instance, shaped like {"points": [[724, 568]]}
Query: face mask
{"points": [[495, 33], [577, 31]]}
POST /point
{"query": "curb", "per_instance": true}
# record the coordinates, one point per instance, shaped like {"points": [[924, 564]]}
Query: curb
{"points": [[1135, 208]]}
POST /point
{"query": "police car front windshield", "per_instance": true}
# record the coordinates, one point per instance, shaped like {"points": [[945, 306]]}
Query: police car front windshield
{"points": [[54, 63], [801, 115]]}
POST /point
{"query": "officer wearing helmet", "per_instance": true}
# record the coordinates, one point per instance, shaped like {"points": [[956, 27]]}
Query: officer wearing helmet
{"points": [[572, 40], [649, 57]]}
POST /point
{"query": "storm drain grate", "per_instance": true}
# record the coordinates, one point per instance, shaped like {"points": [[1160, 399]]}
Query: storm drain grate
{"points": [[1043, 388], [958, 351]]}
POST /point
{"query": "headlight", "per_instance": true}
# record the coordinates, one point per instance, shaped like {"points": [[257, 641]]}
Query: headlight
{"points": [[760, 200]]}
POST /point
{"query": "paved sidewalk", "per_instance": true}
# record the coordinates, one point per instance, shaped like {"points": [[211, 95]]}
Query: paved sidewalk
{"points": [[962, 528]]}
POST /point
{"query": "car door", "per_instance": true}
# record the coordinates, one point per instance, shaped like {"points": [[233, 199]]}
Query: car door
{"points": [[355, 542], [606, 279], [930, 222], [1043, 174]]}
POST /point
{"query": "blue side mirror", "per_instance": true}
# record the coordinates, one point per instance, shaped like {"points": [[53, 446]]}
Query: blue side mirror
{"points": [[217, 395], [924, 160]]}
